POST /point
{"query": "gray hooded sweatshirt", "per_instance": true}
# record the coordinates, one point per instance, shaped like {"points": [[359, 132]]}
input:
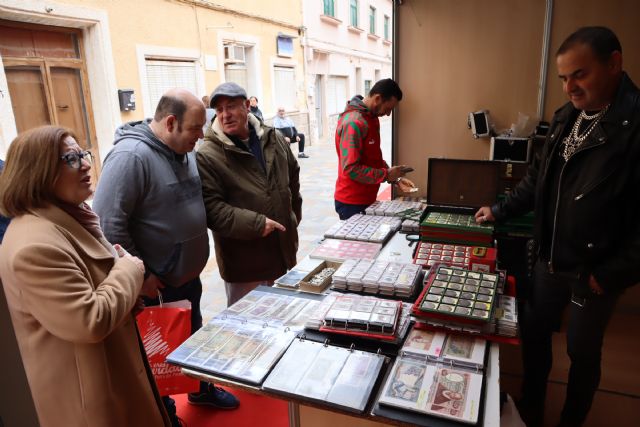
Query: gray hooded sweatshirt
{"points": [[149, 200]]}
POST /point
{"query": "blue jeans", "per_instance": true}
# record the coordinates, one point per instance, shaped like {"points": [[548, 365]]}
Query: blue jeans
{"points": [[346, 211]]}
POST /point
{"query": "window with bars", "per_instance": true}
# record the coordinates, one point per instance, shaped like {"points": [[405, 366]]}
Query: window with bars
{"points": [[386, 27], [285, 87], [372, 20], [163, 75], [353, 7], [329, 8]]}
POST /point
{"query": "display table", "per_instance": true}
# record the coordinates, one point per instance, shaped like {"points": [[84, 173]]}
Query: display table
{"points": [[308, 414], [398, 249], [303, 412]]}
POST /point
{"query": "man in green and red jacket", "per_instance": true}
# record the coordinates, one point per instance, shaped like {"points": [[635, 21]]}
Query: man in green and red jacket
{"points": [[361, 167]]}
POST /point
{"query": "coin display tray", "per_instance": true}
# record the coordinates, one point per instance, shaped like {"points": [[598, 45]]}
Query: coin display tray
{"points": [[384, 277], [428, 254], [460, 293], [455, 220], [340, 250], [393, 207], [367, 228]]}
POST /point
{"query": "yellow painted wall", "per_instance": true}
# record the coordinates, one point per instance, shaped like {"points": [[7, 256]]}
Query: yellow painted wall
{"points": [[178, 24]]}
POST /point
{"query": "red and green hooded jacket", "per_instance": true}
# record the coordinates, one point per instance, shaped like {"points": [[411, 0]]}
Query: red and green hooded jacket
{"points": [[361, 168]]}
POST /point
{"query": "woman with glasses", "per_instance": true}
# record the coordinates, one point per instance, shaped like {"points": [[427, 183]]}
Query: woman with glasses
{"points": [[71, 295]]}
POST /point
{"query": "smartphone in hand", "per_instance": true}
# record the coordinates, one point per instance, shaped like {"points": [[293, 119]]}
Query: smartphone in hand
{"points": [[406, 169]]}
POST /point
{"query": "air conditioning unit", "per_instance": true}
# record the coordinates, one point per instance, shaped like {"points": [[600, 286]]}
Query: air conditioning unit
{"points": [[233, 53]]}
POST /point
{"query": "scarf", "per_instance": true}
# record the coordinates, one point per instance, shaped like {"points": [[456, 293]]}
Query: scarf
{"points": [[85, 216], [90, 221]]}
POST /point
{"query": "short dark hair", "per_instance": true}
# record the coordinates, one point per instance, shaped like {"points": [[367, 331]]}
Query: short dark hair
{"points": [[601, 40], [170, 105], [386, 88], [254, 97]]}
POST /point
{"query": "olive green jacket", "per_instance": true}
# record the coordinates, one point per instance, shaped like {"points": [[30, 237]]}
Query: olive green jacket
{"points": [[239, 195]]}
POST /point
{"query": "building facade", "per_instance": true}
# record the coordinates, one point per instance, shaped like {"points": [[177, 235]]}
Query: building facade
{"points": [[347, 47], [92, 65]]}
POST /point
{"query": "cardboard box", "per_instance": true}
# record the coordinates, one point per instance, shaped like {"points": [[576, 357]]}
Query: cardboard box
{"points": [[306, 286], [483, 259]]}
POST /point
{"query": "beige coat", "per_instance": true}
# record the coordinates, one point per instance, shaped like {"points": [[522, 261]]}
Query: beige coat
{"points": [[70, 305]]}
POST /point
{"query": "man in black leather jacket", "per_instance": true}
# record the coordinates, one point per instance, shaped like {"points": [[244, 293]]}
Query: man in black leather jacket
{"points": [[584, 191]]}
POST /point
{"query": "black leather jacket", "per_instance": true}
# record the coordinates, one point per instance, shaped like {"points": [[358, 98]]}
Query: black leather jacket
{"points": [[597, 218]]}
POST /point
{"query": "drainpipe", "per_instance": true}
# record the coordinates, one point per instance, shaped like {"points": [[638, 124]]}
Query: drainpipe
{"points": [[544, 64], [394, 74], [311, 123]]}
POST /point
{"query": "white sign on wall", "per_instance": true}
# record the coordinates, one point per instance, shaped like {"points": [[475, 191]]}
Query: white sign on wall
{"points": [[211, 63]]}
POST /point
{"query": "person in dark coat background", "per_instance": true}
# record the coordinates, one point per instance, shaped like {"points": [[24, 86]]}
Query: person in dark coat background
{"points": [[4, 221], [253, 105]]}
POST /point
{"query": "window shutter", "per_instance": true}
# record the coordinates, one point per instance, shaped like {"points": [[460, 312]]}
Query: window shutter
{"points": [[164, 75], [237, 74], [285, 87], [336, 94]]}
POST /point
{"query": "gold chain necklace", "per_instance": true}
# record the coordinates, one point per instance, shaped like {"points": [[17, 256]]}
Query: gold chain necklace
{"points": [[573, 141]]}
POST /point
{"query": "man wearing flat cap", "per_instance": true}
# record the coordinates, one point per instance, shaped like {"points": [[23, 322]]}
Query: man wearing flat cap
{"points": [[251, 190]]}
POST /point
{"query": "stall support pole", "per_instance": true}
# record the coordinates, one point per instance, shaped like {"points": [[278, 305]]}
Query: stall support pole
{"points": [[294, 415]]}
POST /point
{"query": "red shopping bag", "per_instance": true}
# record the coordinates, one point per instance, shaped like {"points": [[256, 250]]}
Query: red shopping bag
{"points": [[163, 328]]}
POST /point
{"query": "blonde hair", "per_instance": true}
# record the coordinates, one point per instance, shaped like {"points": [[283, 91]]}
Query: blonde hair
{"points": [[31, 168]]}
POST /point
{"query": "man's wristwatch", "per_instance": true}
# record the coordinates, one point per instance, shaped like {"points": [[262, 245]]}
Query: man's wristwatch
{"points": [[389, 181]]}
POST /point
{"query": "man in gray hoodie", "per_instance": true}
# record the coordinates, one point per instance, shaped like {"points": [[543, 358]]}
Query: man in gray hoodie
{"points": [[149, 199]]}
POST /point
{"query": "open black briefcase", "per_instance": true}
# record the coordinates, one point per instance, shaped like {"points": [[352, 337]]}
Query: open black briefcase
{"points": [[456, 185], [463, 186], [456, 188]]}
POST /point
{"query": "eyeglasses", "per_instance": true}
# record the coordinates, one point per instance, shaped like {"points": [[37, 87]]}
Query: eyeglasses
{"points": [[74, 160]]}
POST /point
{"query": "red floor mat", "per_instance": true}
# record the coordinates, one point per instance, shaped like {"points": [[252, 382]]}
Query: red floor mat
{"points": [[254, 410]]}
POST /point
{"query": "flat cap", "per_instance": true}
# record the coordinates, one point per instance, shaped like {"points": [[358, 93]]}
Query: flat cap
{"points": [[230, 89]]}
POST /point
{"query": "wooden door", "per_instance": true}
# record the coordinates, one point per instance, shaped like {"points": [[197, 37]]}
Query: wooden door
{"points": [[30, 105], [68, 102], [47, 79]]}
